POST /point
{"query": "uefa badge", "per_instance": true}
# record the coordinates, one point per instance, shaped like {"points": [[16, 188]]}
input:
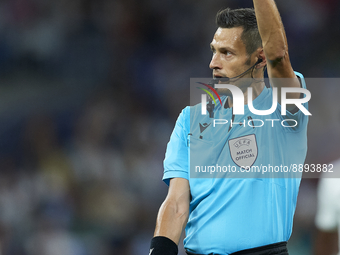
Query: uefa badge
{"points": [[243, 150]]}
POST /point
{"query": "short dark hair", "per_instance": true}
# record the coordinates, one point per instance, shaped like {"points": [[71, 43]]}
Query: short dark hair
{"points": [[245, 18]]}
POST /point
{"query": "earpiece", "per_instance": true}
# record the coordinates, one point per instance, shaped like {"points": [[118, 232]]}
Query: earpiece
{"points": [[259, 61]]}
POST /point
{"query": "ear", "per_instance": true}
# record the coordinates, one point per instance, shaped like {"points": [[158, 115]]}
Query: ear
{"points": [[261, 55]]}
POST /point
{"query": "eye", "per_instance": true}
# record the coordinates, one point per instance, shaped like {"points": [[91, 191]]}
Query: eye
{"points": [[227, 53]]}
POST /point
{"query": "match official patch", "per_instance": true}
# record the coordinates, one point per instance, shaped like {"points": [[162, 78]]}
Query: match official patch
{"points": [[243, 150]]}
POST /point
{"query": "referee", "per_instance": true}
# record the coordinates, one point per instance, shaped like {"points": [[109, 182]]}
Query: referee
{"points": [[236, 215]]}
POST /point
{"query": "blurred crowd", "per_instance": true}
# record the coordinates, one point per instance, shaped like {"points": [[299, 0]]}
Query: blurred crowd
{"points": [[89, 94]]}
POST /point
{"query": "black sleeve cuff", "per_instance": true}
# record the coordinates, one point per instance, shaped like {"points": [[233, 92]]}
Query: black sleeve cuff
{"points": [[161, 245]]}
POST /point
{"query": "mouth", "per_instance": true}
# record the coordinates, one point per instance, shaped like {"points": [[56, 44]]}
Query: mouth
{"points": [[217, 76], [220, 79]]}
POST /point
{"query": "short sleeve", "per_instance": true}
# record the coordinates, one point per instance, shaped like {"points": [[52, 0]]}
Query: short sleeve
{"points": [[177, 153], [298, 120], [328, 210]]}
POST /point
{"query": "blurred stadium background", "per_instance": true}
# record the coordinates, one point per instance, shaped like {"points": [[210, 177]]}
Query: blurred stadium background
{"points": [[89, 94]]}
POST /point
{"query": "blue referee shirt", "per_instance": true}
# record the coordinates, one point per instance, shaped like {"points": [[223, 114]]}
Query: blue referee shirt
{"points": [[241, 210]]}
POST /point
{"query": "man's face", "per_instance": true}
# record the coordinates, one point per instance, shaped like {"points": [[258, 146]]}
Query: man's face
{"points": [[230, 57]]}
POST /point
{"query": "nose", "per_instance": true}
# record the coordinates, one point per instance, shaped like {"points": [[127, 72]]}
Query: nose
{"points": [[215, 62]]}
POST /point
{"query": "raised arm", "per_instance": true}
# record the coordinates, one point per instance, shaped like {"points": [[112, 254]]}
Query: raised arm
{"points": [[172, 217], [275, 45]]}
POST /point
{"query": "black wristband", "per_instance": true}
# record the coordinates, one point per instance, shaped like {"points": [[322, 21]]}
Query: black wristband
{"points": [[161, 245]]}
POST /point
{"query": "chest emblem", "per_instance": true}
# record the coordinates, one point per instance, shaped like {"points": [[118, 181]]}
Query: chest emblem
{"points": [[243, 150], [204, 127]]}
